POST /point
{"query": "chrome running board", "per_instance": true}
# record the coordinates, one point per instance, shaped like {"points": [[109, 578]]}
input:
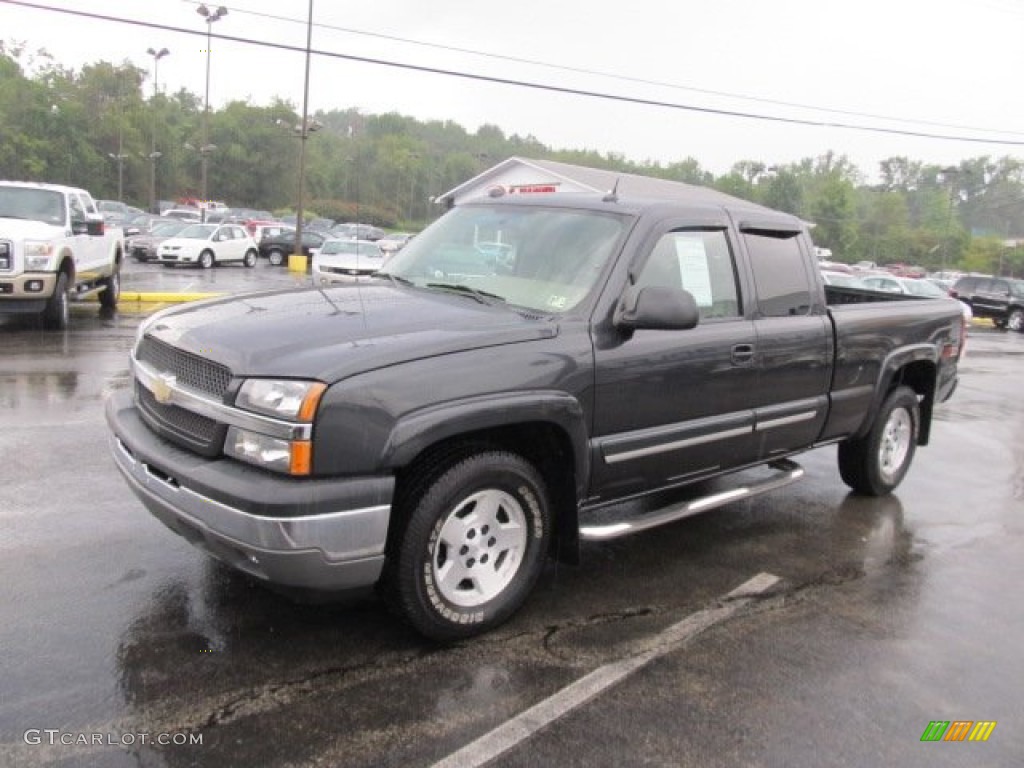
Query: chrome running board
{"points": [[786, 472]]}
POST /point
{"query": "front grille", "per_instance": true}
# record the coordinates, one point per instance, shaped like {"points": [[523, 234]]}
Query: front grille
{"points": [[6, 253], [201, 434], [190, 370]]}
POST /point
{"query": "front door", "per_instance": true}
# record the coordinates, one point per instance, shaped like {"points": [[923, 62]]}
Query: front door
{"points": [[675, 405]]}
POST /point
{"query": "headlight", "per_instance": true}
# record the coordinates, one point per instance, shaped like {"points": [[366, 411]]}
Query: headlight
{"points": [[37, 254], [290, 456], [284, 399]]}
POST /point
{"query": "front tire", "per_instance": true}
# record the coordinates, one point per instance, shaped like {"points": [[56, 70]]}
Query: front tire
{"points": [[56, 315], [473, 545], [875, 464], [206, 259], [276, 257], [1015, 320]]}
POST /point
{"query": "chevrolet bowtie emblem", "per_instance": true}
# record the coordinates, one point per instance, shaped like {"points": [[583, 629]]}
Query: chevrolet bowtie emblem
{"points": [[162, 387]]}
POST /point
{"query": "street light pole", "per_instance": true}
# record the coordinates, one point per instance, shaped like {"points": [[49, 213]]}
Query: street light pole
{"points": [[303, 135], [204, 146], [153, 154]]}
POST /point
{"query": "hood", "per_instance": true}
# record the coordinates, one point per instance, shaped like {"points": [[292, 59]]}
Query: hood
{"points": [[330, 334], [30, 229]]}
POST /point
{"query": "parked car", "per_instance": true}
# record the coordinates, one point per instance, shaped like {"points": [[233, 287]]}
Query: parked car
{"points": [[346, 261], [944, 284], [185, 214], [998, 298], [114, 211], [261, 232], [911, 286], [143, 247], [842, 279], [207, 245], [835, 266], [394, 241], [277, 248], [319, 225], [354, 231]]}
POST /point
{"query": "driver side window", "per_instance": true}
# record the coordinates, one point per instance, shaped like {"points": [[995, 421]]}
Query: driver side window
{"points": [[700, 262]]}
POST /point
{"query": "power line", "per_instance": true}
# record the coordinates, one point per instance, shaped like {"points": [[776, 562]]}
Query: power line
{"points": [[527, 84], [622, 78]]}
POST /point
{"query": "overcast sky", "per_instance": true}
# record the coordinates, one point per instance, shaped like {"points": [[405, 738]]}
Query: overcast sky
{"points": [[947, 67]]}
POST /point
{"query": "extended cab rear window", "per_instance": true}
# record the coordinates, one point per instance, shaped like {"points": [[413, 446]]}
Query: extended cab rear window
{"points": [[780, 273]]}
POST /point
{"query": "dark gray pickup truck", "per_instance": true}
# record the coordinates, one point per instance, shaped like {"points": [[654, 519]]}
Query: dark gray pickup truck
{"points": [[505, 383]]}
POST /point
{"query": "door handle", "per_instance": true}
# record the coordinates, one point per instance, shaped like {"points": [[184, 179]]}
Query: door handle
{"points": [[742, 354]]}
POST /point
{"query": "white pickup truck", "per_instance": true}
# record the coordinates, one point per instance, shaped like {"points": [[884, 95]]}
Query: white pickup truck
{"points": [[55, 248]]}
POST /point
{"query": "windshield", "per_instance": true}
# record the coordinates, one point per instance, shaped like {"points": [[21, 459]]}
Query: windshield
{"points": [[45, 205], [198, 231], [544, 259]]}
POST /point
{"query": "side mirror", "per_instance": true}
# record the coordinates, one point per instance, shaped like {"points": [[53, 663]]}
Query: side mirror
{"points": [[657, 308], [95, 227]]}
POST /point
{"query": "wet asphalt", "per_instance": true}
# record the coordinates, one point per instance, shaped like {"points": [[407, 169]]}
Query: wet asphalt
{"points": [[889, 613]]}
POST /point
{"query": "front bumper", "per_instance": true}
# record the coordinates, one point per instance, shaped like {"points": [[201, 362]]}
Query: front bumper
{"points": [[323, 534], [16, 289]]}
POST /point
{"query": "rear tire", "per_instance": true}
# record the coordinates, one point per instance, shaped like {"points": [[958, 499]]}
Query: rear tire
{"points": [[206, 259], [276, 257], [56, 315], [472, 546], [111, 289], [250, 259], [1015, 320], [875, 464]]}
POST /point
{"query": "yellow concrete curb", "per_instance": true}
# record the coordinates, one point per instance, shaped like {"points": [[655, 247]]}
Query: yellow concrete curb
{"points": [[165, 298], [154, 297]]}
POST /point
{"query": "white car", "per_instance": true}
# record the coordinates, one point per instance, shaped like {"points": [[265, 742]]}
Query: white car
{"points": [[208, 244], [346, 261], [914, 287]]}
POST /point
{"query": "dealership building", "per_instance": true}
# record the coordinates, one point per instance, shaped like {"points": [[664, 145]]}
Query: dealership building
{"points": [[519, 176]]}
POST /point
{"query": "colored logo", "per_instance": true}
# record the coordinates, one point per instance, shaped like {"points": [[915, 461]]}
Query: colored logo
{"points": [[958, 730]]}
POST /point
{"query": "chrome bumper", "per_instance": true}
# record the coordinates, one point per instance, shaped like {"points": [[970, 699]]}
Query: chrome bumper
{"points": [[339, 549]]}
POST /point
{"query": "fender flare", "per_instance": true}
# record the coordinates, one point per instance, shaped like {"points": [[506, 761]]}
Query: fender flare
{"points": [[415, 432], [895, 362]]}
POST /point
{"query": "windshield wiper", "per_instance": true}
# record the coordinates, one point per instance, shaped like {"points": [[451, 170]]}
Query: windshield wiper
{"points": [[481, 296], [397, 279]]}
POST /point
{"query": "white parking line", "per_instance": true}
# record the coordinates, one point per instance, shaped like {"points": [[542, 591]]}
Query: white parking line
{"points": [[521, 727]]}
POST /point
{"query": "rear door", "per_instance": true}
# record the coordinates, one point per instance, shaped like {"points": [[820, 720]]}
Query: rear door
{"points": [[793, 338]]}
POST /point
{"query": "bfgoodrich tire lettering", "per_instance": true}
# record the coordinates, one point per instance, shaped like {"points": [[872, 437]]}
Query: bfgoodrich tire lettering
{"points": [[472, 547], [876, 463]]}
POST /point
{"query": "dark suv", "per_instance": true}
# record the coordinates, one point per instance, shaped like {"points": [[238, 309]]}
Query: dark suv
{"points": [[997, 298]]}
